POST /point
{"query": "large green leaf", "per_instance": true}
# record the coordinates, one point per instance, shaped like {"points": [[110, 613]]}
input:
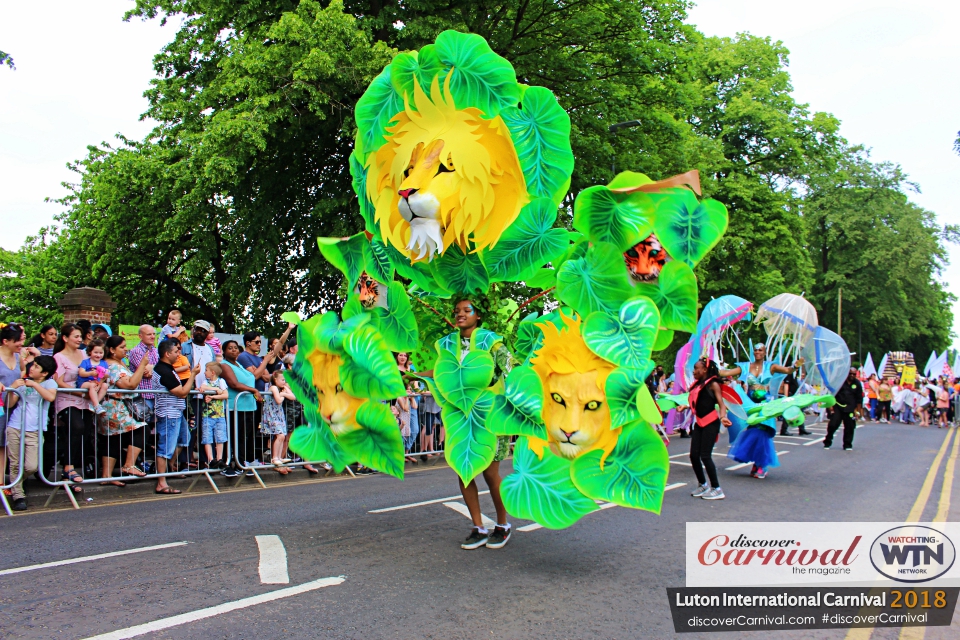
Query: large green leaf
{"points": [[376, 261], [664, 338], [634, 475], [542, 491], [359, 174], [529, 337], [398, 325], [621, 390], [369, 370], [628, 340], [462, 382], [649, 412], [334, 335], [378, 105], [470, 446], [378, 443], [542, 279], [686, 228], [346, 254], [675, 295], [628, 179], [622, 219], [460, 273], [478, 77], [352, 307], [540, 129], [316, 442], [517, 412], [528, 244], [419, 273], [322, 332], [404, 71], [596, 282]]}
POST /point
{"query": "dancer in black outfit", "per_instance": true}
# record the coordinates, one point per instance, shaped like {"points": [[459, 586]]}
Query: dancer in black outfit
{"points": [[849, 398], [710, 412]]}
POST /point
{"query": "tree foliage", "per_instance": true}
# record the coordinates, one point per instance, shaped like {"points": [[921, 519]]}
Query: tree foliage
{"points": [[217, 210]]}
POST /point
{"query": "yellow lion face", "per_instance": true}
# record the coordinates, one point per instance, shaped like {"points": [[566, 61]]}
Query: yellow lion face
{"points": [[337, 407], [445, 176], [576, 414], [575, 409]]}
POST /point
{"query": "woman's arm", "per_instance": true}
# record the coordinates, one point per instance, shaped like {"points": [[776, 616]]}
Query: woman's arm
{"points": [[231, 378], [731, 373], [779, 368]]}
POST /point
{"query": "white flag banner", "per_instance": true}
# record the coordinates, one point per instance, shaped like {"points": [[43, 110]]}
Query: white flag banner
{"points": [[813, 554], [868, 367]]}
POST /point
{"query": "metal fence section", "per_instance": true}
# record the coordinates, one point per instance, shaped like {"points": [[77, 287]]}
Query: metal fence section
{"points": [[79, 440], [17, 477]]}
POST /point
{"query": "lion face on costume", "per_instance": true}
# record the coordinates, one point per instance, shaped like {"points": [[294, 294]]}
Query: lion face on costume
{"points": [[445, 176], [337, 407], [575, 409]]}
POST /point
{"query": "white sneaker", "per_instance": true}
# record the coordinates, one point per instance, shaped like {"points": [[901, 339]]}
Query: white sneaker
{"points": [[714, 494], [702, 489]]}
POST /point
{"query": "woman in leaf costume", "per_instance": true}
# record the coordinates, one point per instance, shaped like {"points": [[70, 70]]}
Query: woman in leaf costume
{"points": [[471, 365], [460, 171]]}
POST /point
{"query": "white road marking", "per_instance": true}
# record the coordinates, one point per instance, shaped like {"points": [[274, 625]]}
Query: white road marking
{"points": [[815, 441], [420, 504], [99, 556], [200, 614], [607, 505], [739, 466], [686, 464], [273, 560], [687, 455], [795, 444], [459, 507]]}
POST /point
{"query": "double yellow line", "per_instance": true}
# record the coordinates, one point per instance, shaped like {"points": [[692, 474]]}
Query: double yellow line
{"points": [[916, 514]]}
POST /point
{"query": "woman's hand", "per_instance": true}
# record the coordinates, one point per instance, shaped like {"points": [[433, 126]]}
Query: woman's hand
{"points": [[725, 421], [257, 396]]}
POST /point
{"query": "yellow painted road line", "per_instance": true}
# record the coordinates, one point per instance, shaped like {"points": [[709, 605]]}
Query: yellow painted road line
{"points": [[943, 510], [943, 506], [916, 512]]}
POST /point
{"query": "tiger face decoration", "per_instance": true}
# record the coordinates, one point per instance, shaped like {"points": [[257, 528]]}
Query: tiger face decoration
{"points": [[645, 260]]}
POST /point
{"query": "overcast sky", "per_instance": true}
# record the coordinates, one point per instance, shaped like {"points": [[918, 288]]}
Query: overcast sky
{"points": [[886, 69]]}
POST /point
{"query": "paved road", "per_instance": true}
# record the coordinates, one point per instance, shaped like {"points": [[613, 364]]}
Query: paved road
{"points": [[405, 575]]}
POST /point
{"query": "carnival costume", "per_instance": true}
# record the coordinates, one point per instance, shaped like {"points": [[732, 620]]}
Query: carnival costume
{"points": [[755, 443], [459, 171]]}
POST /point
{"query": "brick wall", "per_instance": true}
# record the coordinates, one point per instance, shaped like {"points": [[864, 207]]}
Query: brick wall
{"points": [[87, 303]]}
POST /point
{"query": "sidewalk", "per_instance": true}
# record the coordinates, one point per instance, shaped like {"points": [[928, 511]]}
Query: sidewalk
{"points": [[94, 494]]}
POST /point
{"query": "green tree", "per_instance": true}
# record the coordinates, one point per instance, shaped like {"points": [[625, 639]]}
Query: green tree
{"points": [[884, 252], [6, 59], [33, 279]]}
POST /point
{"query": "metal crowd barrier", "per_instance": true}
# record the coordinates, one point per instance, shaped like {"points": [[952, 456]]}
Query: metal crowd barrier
{"points": [[14, 481], [86, 441]]}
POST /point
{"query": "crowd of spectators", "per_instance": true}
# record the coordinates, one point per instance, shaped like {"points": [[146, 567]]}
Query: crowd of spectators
{"points": [[165, 406]]}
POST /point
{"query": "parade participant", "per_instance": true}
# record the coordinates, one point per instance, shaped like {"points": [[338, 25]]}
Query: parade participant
{"points": [[468, 318], [755, 443], [706, 400], [884, 399], [848, 399]]}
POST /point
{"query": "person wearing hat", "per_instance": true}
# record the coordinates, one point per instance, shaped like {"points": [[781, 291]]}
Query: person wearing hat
{"points": [[101, 332], [198, 351]]}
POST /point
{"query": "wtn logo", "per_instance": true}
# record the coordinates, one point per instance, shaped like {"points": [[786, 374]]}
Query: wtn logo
{"points": [[899, 554], [912, 553]]}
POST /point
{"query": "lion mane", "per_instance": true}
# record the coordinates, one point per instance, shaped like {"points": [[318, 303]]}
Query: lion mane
{"points": [[444, 177]]}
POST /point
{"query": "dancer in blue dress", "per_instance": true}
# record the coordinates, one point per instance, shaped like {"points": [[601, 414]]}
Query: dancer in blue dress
{"points": [[761, 379]]}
